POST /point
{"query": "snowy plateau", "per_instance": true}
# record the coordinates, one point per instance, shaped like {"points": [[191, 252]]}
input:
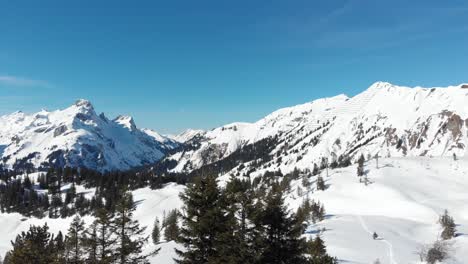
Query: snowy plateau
{"points": [[416, 132]]}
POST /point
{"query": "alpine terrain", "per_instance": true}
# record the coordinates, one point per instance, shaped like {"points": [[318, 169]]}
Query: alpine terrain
{"points": [[380, 177]]}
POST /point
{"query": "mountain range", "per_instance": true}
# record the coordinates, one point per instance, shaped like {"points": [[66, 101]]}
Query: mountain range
{"points": [[384, 120]]}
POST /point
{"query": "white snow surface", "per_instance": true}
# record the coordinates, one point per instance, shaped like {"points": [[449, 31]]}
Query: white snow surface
{"points": [[151, 204], [402, 205], [386, 119], [77, 136]]}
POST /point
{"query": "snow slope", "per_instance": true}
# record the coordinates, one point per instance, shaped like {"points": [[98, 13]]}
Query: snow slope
{"points": [[402, 205], [385, 119], [77, 136], [151, 204]]}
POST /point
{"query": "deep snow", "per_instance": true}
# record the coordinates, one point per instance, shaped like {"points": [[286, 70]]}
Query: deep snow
{"points": [[402, 205]]}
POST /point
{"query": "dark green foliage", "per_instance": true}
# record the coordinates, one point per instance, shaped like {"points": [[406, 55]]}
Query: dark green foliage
{"points": [[171, 226], [281, 242], [360, 168], [36, 246], [448, 226], [310, 211], [156, 232], [104, 237], [205, 223], [74, 241], [320, 183], [129, 234], [317, 252]]}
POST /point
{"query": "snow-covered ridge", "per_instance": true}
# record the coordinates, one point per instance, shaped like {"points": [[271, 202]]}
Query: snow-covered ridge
{"points": [[77, 136], [386, 119]]}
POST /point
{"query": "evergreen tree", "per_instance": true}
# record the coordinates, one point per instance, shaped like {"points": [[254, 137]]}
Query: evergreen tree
{"points": [[128, 232], [320, 183], [59, 243], [90, 244], [448, 226], [105, 239], [204, 223], [33, 246], [317, 252], [360, 168], [239, 236], [156, 233], [74, 241], [171, 230], [281, 242]]}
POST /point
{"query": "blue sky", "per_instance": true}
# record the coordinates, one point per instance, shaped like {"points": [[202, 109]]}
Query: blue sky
{"points": [[200, 64]]}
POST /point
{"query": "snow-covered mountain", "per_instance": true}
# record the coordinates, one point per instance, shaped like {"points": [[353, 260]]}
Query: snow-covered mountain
{"points": [[77, 136], [385, 119]]}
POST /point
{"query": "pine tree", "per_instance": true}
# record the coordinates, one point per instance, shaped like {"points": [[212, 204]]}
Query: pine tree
{"points": [[156, 233], [360, 168], [171, 230], [34, 246], [320, 183], [203, 223], [128, 232], [105, 238], [59, 242], [74, 241], [448, 226], [281, 242], [90, 244], [317, 252], [239, 236]]}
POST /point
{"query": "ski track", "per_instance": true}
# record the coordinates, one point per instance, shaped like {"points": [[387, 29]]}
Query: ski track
{"points": [[389, 245]]}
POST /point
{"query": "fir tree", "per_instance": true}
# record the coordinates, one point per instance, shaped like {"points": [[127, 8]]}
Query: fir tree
{"points": [[156, 233], [74, 241], [90, 243], [448, 226], [317, 252], [360, 168], [281, 242], [320, 183], [204, 222], [128, 232], [105, 239], [239, 236], [34, 246], [171, 230]]}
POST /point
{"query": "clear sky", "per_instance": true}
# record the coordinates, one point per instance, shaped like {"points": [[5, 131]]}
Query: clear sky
{"points": [[200, 64]]}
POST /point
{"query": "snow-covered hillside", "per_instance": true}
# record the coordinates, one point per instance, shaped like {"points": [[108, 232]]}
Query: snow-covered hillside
{"points": [[402, 205], [77, 136], [385, 119]]}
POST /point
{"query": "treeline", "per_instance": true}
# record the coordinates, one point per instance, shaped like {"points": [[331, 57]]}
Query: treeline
{"points": [[242, 224], [111, 238], [239, 223], [53, 193]]}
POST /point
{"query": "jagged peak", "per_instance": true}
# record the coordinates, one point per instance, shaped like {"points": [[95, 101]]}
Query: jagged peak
{"points": [[84, 103], [126, 121]]}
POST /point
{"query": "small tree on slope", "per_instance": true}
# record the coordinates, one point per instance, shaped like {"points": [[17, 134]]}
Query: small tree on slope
{"points": [[448, 226], [74, 241], [129, 234], [204, 223]]}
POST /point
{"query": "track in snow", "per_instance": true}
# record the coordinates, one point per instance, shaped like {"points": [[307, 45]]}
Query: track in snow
{"points": [[389, 245]]}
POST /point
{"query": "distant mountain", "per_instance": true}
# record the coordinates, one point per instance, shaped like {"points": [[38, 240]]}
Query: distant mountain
{"points": [[77, 136], [385, 120]]}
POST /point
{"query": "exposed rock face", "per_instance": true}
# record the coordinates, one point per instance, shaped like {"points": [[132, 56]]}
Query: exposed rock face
{"points": [[77, 137], [385, 119]]}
